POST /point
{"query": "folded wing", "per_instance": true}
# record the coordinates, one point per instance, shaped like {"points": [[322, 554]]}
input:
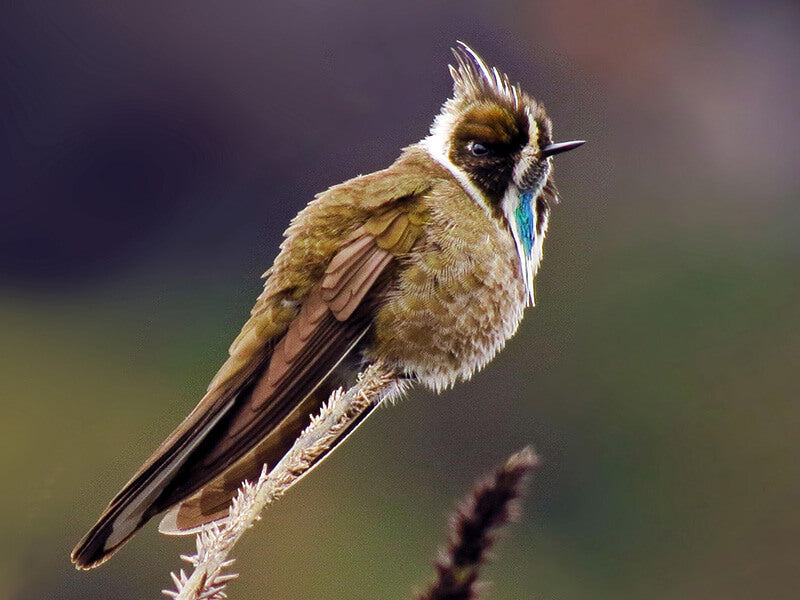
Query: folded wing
{"points": [[254, 410]]}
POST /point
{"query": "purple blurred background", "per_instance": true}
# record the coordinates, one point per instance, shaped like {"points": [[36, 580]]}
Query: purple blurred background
{"points": [[151, 154]]}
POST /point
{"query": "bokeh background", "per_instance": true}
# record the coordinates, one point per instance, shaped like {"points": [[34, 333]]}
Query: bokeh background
{"points": [[152, 153]]}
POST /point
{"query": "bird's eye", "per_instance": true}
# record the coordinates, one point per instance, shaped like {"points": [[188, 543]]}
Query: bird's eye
{"points": [[477, 149]]}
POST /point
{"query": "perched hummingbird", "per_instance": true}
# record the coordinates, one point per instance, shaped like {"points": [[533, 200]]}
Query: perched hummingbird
{"points": [[426, 266]]}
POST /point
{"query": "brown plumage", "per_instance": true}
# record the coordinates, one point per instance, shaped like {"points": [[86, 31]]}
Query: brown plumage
{"points": [[417, 265]]}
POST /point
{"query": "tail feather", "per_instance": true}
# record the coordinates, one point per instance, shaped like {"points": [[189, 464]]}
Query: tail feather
{"points": [[131, 508], [263, 406], [211, 504]]}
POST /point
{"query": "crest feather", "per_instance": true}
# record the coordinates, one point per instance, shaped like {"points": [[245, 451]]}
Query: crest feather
{"points": [[474, 79]]}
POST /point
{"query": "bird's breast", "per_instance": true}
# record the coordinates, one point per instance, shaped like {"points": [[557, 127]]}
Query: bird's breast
{"points": [[458, 296]]}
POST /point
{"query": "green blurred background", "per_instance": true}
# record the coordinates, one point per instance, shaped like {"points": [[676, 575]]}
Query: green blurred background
{"points": [[151, 155]]}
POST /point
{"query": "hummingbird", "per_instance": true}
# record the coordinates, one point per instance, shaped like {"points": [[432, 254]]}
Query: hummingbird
{"points": [[426, 266]]}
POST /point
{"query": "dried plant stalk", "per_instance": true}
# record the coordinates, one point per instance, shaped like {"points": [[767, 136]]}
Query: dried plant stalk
{"points": [[215, 542], [492, 503]]}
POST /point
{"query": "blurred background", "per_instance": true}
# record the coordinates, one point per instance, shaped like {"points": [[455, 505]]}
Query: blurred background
{"points": [[151, 155]]}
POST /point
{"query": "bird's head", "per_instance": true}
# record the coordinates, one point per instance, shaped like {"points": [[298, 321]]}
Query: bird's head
{"points": [[497, 141]]}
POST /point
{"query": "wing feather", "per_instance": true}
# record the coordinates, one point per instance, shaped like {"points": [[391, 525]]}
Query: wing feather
{"points": [[266, 392]]}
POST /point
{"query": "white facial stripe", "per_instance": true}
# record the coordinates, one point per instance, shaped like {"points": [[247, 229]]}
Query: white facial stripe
{"points": [[437, 144], [527, 158], [509, 205], [529, 154], [529, 260]]}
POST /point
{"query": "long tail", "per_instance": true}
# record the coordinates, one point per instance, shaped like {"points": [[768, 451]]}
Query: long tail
{"points": [[213, 501], [136, 503], [256, 407], [237, 427]]}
